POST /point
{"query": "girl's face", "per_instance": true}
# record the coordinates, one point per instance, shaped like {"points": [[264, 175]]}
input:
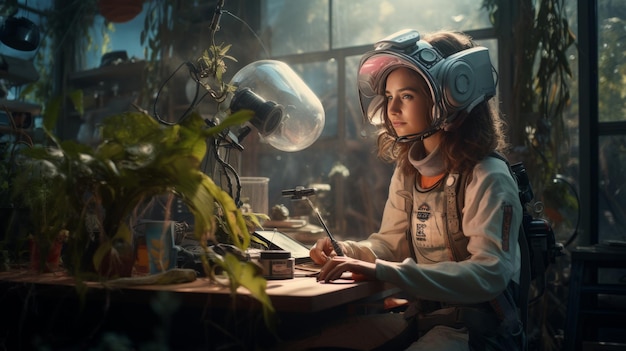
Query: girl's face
{"points": [[408, 103]]}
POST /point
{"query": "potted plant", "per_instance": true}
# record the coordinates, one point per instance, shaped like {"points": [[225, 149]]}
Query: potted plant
{"points": [[91, 194]]}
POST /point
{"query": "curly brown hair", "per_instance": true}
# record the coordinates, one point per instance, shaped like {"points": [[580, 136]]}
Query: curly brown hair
{"points": [[479, 134]]}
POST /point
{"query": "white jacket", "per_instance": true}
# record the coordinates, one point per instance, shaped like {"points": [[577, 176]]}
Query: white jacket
{"points": [[492, 215]]}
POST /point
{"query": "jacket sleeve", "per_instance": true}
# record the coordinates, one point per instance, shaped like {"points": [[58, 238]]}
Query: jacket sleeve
{"points": [[389, 243], [492, 215]]}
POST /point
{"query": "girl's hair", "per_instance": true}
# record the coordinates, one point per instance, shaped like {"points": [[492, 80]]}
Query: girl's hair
{"points": [[481, 133]]}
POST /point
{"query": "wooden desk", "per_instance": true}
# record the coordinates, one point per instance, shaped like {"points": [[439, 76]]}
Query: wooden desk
{"points": [[47, 306], [298, 295]]}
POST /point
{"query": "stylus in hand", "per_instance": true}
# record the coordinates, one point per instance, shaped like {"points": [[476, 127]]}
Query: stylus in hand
{"points": [[302, 192], [330, 236]]}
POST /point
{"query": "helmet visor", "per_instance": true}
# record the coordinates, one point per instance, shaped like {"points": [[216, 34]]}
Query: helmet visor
{"points": [[373, 71]]}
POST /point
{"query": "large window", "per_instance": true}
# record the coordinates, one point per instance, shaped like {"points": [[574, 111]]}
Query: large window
{"points": [[321, 25]]}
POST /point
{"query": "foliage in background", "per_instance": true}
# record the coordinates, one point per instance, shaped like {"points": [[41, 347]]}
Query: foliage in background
{"points": [[611, 58], [538, 123], [157, 38], [67, 33], [541, 84], [66, 28]]}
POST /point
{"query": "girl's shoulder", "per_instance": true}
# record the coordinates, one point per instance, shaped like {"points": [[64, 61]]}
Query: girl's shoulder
{"points": [[492, 164], [489, 172]]}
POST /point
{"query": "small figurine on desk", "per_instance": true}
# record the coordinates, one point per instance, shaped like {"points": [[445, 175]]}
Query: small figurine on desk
{"points": [[431, 97]]}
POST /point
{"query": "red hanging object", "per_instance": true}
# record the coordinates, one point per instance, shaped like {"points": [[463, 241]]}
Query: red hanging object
{"points": [[120, 11]]}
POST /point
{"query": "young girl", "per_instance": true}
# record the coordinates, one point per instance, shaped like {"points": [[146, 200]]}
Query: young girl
{"points": [[431, 96]]}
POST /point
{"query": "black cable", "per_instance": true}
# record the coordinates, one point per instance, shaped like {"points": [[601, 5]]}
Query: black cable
{"points": [[193, 73], [227, 168], [156, 99], [267, 54]]}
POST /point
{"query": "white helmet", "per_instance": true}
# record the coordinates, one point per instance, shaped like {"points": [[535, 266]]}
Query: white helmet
{"points": [[457, 83]]}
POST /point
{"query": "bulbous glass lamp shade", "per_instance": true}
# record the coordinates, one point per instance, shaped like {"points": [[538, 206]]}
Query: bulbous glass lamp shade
{"points": [[288, 115]]}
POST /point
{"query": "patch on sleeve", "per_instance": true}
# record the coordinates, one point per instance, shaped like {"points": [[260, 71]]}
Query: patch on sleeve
{"points": [[507, 217]]}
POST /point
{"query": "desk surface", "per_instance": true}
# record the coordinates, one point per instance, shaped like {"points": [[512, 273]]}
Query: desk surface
{"points": [[298, 295]]}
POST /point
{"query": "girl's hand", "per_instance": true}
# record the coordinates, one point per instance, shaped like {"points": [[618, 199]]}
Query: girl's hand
{"points": [[323, 250], [336, 266]]}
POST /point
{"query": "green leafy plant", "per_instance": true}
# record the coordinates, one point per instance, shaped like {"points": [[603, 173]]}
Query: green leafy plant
{"points": [[93, 193], [212, 69]]}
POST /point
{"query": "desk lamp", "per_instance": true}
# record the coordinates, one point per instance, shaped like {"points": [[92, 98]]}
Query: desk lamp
{"points": [[287, 114]]}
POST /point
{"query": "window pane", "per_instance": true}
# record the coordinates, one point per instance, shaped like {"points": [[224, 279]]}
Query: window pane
{"points": [[612, 189], [611, 61], [354, 117], [362, 22], [295, 26], [312, 165], [611, 108], [366, 186], [115, 37]]}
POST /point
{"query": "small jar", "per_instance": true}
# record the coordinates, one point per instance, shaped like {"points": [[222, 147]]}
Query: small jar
{"points": [[277, 264]]}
